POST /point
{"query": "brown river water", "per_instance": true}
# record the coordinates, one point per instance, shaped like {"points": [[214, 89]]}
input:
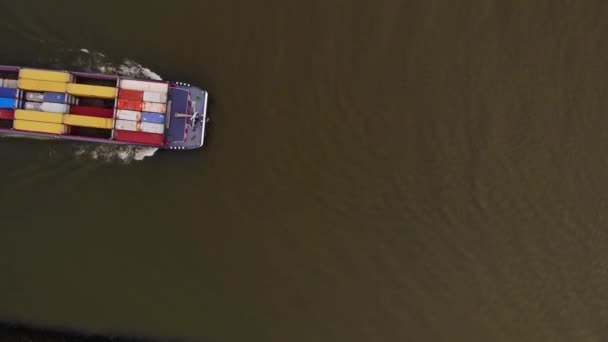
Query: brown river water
{"points": [[374, 171]]}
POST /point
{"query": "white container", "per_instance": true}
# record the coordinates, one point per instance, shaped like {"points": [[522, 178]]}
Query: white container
{"points": [[32, 106], [33, 96], [131, 115], [51, 107], [144, 86], [155, 107], [151, 96], [10, 83], [127, 125], [152, 127]]}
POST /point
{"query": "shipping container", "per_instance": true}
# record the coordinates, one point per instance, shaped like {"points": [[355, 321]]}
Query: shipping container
{"points": [[10, 83], [152, 117], [130, 105], [51, 107], [56, 97], [32, 115], [127, 125], [158, 87], [42, 127], [8, 103], [34, 96], [8, 92], [150, 96], [92, 111], [139, 137], [7, 114], [32, 105], [149, 127], [154, 107], [131, 115], [87, 121], [45, 75], [35, 85], [134, 95], [89, 132], [86, 90]]}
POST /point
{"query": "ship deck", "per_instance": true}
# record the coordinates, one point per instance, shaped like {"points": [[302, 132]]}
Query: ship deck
{"points": [[186, 118], [91, 109]]}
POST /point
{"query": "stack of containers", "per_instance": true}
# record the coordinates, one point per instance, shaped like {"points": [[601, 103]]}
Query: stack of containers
{"points": [[9, 100], [95, 91], [46, 101], [107, 113], [7, 112], [9, 83], [93, 117], [141, 110]]}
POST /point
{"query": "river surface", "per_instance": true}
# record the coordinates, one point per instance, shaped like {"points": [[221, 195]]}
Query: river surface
{"points": [[374, 171]]}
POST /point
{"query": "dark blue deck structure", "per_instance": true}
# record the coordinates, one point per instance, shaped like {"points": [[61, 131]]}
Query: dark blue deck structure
{"points": [[186, 117]]}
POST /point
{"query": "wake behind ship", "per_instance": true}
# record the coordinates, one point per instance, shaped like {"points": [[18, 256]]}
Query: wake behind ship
{"points": [[101, 108]]}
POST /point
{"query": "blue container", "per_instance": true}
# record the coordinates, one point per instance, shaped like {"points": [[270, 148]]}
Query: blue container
{"points": [[7, 102], [55, 97], [153, 117], [8, 92]]}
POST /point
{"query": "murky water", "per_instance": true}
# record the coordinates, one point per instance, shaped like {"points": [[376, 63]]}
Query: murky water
{"points": [[375, 171]]}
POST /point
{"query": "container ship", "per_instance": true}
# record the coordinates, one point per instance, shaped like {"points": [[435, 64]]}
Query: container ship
{"points": [[100, 108]]}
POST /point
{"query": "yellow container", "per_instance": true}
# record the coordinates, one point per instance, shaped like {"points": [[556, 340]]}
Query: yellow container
{"points": [[45, 75], [36, 85], [42, 127], [92, 91], [87, 121], [32, 115]]}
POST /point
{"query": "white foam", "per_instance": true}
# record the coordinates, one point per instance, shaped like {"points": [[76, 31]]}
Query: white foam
{"points": [[133, 69], [110, 153]]}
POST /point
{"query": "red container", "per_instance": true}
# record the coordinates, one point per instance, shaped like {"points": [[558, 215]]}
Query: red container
{"points": [[134, 95], [130, 105], [7, 114], [92, 111], [139, 137]]}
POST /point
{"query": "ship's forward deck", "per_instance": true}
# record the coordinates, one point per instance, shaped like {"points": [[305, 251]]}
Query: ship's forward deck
{"points": [[186, 118]]}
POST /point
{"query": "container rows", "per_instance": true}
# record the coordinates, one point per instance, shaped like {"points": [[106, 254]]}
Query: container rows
{"points": [[57, 102]]}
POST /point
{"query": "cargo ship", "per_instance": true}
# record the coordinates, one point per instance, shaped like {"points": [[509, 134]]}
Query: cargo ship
{"points": [[100, 108]]}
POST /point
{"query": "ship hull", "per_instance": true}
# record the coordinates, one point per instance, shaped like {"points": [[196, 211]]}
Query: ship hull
{"points": [[67, 105]]}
